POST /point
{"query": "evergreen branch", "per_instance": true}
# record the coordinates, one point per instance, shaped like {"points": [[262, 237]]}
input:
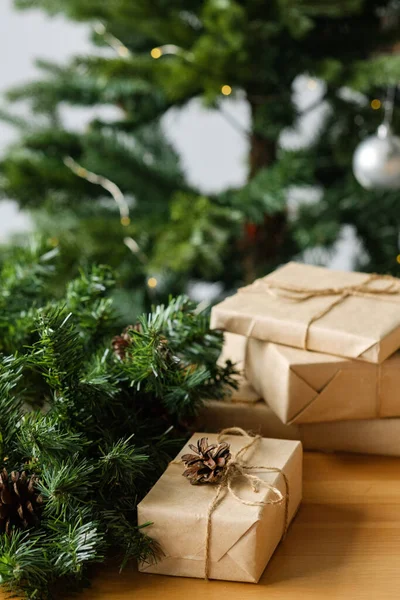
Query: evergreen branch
{"points": [[10, 404], [66, 485], [75, 544], [87, 298], [87, 473], [121, 464], [131, 539], [25, 567], [59, 350], [43, 437], [98, 382]]}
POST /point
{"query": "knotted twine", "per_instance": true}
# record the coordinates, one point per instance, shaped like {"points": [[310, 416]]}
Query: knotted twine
{"points": [[301, 294], [237, 468]]}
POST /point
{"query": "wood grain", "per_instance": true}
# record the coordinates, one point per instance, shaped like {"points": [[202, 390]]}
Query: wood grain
{"points": [[344, 544]]}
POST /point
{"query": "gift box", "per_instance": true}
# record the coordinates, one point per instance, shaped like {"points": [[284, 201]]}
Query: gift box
{"points": [[353, 315], [245, 526], [256, 417], [367, 436], [234, 349], [307, 387]]}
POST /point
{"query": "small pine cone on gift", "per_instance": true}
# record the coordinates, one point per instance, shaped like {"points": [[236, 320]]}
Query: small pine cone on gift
{"points": [[208, 463], [20, 503], [120, 343]]}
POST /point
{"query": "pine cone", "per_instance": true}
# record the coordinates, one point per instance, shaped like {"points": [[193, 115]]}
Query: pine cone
{"points": [[120, 343], [20, 504], [209, 462]]}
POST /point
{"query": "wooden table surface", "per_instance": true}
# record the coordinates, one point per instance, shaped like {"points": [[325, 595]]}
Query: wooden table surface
{"points": [[344, 544]]}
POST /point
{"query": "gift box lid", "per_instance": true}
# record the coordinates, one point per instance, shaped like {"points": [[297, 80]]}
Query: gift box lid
{"points": [[353, 315]]}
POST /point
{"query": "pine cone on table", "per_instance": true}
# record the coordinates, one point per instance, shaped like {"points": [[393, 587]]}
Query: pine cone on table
{"points": [[20, 503], [208, 463]]}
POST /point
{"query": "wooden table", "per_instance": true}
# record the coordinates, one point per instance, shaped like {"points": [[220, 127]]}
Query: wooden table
{"points": [[344, 544]]}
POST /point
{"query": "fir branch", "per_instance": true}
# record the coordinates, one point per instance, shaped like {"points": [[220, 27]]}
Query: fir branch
{"points": [[59, 350], [25, 567], [130, 539], [10, 404], [76, 543], [98, 383], [44, 436], [66, 485], [150, 360], [104, 429], [121, 464]]}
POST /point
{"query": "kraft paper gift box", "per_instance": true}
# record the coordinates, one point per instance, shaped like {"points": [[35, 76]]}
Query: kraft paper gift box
{"points": [[242, 537], [311, 387], [256, 417], [354, 315], [368, 436], [234, 349]]}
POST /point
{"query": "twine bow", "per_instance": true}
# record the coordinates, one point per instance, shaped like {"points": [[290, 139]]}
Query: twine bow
{"points": [[237, 468], [301, 294]]}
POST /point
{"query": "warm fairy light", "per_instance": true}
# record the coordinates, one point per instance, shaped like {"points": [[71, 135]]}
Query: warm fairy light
{"points": [[398, 258], [152, 282], [105, 183], [156, 53], [376, 104], [54, 241], [125, 221], [100, 28], [123, 51], [226, 90], [311, 84]]}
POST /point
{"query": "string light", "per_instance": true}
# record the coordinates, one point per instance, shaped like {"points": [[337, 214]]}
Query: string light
{"points": [[100, 28], [159, 51], [376, 104], [311, 84], [54, 241], [113, 41], [226, 90], [120, 201], [105, 183], [134, 248], [123, 51], [152, 282], [398, 259], [156, 53]]}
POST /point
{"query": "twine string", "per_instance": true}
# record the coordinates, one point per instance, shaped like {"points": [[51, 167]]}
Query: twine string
{"points": [[237, 468]]}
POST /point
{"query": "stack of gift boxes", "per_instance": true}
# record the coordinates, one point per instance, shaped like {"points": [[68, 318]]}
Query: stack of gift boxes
{"points": [[316, 351]]}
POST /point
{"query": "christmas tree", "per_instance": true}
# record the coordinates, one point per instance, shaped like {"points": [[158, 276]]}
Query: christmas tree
{"points": [[116, 192], [89, 418]]}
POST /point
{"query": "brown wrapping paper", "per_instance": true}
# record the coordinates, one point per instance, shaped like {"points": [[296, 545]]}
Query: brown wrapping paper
{"points": [[234, 349], [363, 323], [257, 418], [373, 436], [243, 538], [310, 387]]}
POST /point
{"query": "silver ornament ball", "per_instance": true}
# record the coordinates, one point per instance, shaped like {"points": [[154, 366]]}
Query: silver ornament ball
{"points": [[376, 161]]}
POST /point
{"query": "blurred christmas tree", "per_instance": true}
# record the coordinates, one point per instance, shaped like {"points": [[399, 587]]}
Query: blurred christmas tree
{"points": [[116, 192]]}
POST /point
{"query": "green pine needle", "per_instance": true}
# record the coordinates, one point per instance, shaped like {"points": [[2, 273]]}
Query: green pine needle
{"points": [[95, 429]]}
